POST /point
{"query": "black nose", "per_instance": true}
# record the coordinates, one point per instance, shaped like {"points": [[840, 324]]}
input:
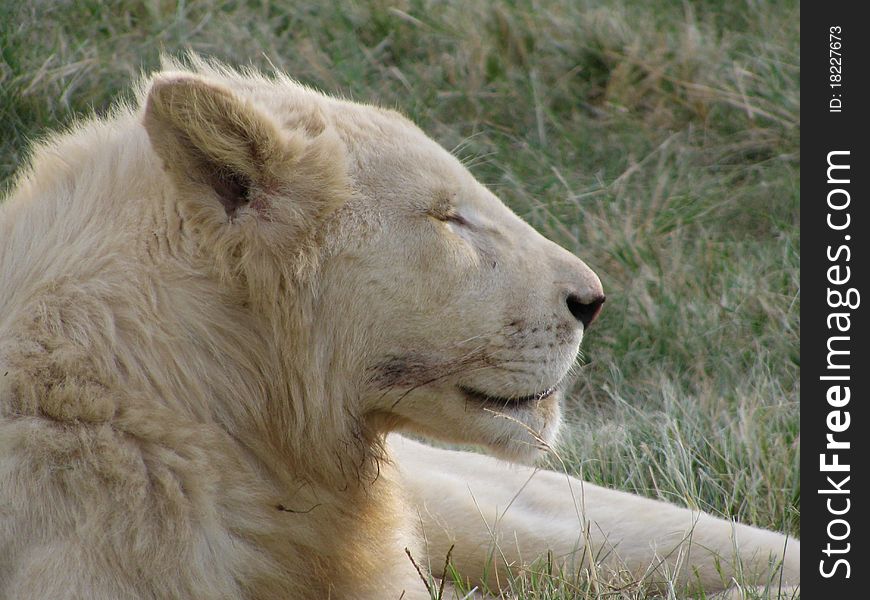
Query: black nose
{"points": [[585, 312]]}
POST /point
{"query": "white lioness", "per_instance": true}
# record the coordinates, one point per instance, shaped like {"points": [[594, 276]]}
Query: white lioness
{"points": [[217, 304]]}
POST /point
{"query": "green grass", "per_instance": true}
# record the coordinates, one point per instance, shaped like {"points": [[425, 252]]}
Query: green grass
{"points": [[657, 141]]}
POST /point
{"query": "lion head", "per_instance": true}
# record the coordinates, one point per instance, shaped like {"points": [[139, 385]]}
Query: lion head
{"points": [[376, 257]]}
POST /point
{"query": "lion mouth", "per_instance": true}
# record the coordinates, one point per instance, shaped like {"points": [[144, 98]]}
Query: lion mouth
{"points": [[503, 401]]}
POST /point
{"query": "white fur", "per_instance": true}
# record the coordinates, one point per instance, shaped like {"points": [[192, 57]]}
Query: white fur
{"points": [[499, 514], [214, 307]]}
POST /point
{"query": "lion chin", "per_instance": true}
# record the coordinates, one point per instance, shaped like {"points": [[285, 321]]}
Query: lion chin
{"points": [[219, 304]]}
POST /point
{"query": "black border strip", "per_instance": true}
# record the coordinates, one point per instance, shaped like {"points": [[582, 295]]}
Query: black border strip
{"points": [[835, 222]]}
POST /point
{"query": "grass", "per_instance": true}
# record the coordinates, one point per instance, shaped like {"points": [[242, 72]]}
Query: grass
{"points": [[657, 141]]}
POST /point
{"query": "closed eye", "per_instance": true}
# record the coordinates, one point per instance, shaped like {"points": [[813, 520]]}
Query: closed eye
{"points": [[454, 217], [449, 216]]}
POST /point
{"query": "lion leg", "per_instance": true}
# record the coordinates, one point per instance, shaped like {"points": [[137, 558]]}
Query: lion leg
{"points": [[498, 515]]}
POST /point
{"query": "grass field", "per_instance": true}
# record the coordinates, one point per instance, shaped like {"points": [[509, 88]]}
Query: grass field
{"points": [[658, 141]]}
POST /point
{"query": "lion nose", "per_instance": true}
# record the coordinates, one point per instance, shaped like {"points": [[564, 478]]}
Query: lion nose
{"points": [[585, 309]]}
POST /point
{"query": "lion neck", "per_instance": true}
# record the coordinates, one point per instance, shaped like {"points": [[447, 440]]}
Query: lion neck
{"points": [[271, 349], [159, 331], [118, 328]]}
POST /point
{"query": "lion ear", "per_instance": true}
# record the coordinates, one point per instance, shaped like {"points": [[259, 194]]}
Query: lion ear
{"points": [[207, 136]]}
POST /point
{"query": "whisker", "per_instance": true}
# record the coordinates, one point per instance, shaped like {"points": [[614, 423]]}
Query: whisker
{"points": [[407, 374]]}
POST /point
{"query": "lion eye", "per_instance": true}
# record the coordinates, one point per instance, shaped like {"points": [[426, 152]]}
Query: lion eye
{"points": [[444, 209], [451, 216], [454, 217]]}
